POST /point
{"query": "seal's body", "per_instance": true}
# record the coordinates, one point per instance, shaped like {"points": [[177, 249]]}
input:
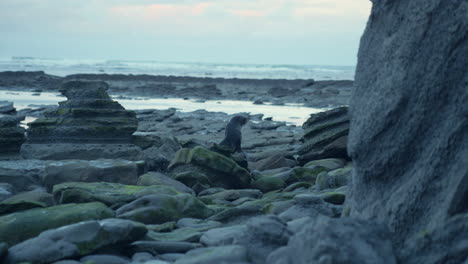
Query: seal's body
{"points": [[233, 135]]}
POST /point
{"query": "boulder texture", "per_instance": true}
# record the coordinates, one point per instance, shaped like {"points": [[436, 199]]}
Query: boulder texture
{"points": [[11, 134], [88, 125], [409, 127], [219, 169], [325, 135]]}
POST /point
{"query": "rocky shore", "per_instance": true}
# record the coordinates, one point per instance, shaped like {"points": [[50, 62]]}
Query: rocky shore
{"points": [[99, 184], [280, 91], [383, 181]]}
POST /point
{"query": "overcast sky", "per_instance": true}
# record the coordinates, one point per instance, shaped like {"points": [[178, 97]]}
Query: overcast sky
{"points": [[322, 32]]}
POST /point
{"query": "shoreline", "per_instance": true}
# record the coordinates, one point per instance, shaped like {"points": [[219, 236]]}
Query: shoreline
{"points": [[310, 93]]}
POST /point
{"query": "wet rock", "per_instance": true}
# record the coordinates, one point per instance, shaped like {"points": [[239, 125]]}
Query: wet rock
{"points": [[89, 125], [160, 208], [156, 178], [269, 183], [102, 170], [17, 227], [273, 162], [76, 240], [104, 259], [333, 179], [23, 175], [26, 200], [279, 91], [232, 195], [186, 234], [197, 223], [409, 131], [340, 241], [325, 136], [260, 236], [330, 164], [220, 170], [112, 194], [7, 108], [310, 205], [162, 247], [11, 134], [215, 255], [196, 181], [6, 191]]}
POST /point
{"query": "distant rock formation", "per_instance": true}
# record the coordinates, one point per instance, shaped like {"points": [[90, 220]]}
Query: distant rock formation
{"points": [[11, 134], [325, 135], [89, 125], [409, 128]]}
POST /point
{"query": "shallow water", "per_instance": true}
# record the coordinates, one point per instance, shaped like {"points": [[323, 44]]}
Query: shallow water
{"points": [[291, 113]]}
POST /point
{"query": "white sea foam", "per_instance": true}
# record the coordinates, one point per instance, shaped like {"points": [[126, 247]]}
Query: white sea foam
{"points": [[63, 67]]}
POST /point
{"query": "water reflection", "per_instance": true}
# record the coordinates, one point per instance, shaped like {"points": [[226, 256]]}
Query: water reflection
{"points": [[291, 113]]}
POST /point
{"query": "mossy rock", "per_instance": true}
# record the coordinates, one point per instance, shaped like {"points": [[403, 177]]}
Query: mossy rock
{"points": [[26, 200], [161, 208], [330, 164], [20, 226], [305, 174], [107, 193], [220, 170], [269, 183]]}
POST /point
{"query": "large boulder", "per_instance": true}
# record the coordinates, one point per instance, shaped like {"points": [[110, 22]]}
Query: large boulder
{"points": [[89, 125], [409, 125], [113, 194], [162, 208], [102, 170], [75, 240], [219, 169], [20, 226], [325, 135], [23, 175], [338, 241]]}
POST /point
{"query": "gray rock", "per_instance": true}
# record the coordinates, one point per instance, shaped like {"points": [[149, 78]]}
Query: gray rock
{"points": [[90, 151], [442, 244], [104, 259], [197, 223], [216, 255], [75, 240], [67, 261], [19, 226], [6, 190], [310, 205], [156, 178], [330, 164], [339, 241], [333, 179], [102, 170], [325, 136], [11, 134], [162, 208], [409, 127], [7, 108], [162, 247], [23, 175], [260, 236], [88, 123], [26, 200]]}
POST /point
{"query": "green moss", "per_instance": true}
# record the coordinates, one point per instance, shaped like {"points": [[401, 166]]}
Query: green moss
{"points": [[20, 226]]}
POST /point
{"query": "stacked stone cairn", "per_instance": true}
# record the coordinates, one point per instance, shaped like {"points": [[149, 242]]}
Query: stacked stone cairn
{"points": [[325, 136], [89, 125], [11, 134]]}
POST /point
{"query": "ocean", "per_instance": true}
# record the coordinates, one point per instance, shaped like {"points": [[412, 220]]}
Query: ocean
{"points": [[63, 67]]}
